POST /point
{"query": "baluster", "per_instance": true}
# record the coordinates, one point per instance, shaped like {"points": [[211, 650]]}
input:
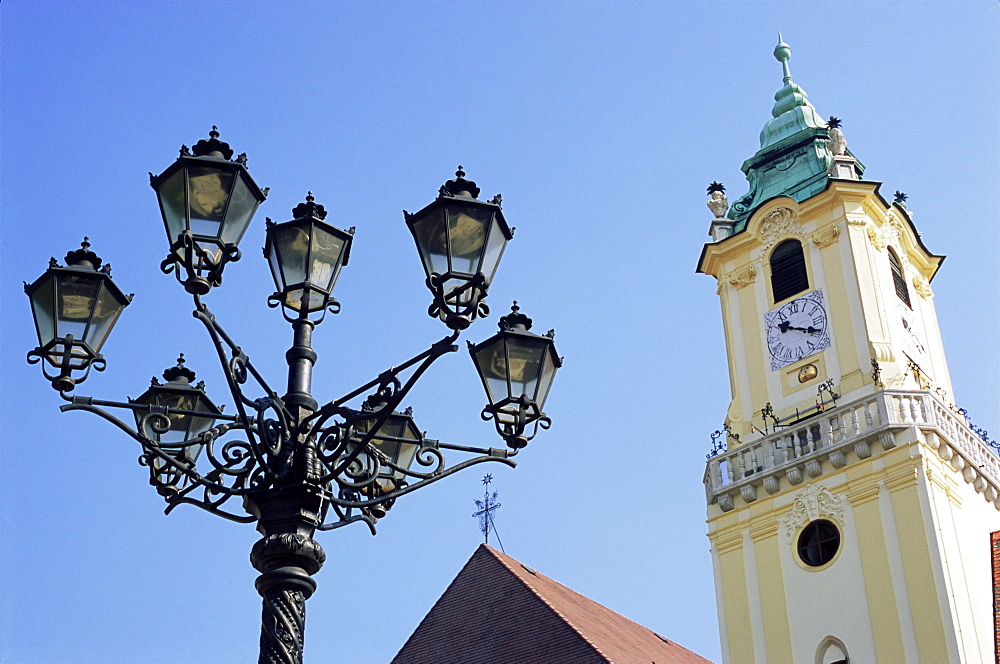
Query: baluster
{"points": [[916, 409], [769, 454], [868, 415], [856, 424], [781, 455], [906, 414], [714, 474]]}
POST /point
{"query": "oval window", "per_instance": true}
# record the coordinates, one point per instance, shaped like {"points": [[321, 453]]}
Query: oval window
{"points": [[818, 543]]}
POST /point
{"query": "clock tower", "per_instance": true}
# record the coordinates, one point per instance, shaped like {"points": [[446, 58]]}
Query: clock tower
{"points": [[850, 504]]}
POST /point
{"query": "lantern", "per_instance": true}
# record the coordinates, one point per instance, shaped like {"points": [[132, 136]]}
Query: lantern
{"points": [[306, 256], [396, 441], [207, 202], [517, 368], [188, 411], [461, 240], [74, 308]]}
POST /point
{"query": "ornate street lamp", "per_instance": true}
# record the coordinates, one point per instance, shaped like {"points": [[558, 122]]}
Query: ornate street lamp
{"points": [[207, 202], [461, 240], [517, 367], [287, 463], [74, 308]]}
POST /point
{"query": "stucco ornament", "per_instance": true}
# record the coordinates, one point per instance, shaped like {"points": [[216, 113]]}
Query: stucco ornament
{"points": [[825, 237], [876, 238], [744, 277], [892, 230], [922, 287], [778, 222], [811, 503]]}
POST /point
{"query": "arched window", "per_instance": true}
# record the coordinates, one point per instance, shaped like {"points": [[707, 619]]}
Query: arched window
{"points": [[832, 651], [897, 278], [788, 270]]}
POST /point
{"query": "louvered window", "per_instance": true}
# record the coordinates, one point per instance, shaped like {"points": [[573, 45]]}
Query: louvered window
{"points": [[897, 278], [788, 270]]}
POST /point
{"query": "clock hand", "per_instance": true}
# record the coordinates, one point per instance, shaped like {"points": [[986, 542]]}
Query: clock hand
{"points": [[785, 326]]}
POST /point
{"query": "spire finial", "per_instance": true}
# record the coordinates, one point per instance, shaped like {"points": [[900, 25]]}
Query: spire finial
{"points": [[782, 53]]}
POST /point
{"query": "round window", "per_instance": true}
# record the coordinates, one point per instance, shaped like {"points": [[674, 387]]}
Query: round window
{"points": [[818, 543]]}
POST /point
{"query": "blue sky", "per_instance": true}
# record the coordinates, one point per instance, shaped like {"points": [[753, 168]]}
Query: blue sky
{"points": [[601, 127]]}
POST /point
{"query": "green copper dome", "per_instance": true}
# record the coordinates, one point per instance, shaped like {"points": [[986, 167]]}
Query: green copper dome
{"points": [[793, 159]]}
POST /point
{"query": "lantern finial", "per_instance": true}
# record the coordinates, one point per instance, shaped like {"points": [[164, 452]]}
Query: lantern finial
{"points": [[179, 373], [515, 320], [213, 147], [460, 186], [83, 256], [309, 209]]}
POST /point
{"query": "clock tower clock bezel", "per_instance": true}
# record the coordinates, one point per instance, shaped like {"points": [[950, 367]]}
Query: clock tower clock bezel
{"points": [[797, 329]]}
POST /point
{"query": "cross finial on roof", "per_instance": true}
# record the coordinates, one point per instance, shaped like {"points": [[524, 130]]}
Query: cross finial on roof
{"points": [[487, 506]]}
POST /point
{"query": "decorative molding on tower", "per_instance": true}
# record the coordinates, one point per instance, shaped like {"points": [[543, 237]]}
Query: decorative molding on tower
{"points": [[811, 503], [922, 287], [777, 223], [825, 237], [876, 238], [744, 277]]}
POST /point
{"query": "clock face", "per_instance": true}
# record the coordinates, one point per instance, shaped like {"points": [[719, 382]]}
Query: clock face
{"points": [[797, 329], [913, 340]]}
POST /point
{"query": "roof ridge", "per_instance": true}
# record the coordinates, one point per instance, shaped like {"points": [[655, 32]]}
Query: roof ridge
{"points": [[500, 558]]}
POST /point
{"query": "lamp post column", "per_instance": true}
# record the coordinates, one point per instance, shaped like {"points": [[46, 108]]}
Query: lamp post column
{"points": [[287, 557]]}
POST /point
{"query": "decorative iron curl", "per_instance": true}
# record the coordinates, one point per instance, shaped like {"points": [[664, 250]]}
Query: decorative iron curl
{"points": [[446, 307], [427, 455], [74, 355], [201, 270], [512, 424], [277, 299]]}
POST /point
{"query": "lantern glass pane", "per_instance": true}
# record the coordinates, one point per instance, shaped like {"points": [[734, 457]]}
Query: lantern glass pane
{"points": [[180, 424], [491, 361], [43, 305], [545, 378], [324, 259], [242, 205], [208, 195], [524, 362], [77, 299], [274, 263], [467, 235], [172, 206], [291, 243], [494, 250], [105, 314], [432, 241]]}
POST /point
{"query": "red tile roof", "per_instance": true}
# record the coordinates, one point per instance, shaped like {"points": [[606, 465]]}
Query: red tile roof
{"points": [[498, 611]]}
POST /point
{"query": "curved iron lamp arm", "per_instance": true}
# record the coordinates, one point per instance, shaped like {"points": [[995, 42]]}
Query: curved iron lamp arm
{"points": [[153, 450]]}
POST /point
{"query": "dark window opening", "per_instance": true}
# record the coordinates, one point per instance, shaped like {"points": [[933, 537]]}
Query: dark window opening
{"points": [[818, 543], [897, 278], [788, 270]]}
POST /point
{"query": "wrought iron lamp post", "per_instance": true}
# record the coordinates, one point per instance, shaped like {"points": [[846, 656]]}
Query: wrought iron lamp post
{"points": [[289, 464]]}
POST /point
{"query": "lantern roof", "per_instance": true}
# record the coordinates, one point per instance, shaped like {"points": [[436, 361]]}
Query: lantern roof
{"points": [[794, 158]]}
